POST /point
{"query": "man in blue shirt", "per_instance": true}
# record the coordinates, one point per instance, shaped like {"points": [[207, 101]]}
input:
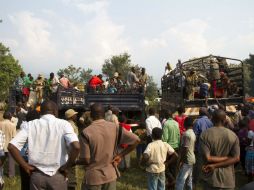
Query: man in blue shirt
{"points": [[202, 123]]}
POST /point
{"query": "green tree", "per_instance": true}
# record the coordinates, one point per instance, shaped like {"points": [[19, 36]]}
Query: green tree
{"points": [[151, 89], [76, 74], [248, 65], [117, 63], [10, 70]]}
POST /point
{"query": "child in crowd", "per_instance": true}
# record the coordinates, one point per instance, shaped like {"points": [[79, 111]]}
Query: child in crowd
{"points": [[249, 160], [155, 159]]}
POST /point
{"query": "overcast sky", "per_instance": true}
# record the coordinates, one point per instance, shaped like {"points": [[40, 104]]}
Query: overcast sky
{"points": [[47, 35]]}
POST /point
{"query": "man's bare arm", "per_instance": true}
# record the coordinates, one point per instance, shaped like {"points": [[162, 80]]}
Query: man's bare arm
{"points": [[19, 159], [117, 159]]}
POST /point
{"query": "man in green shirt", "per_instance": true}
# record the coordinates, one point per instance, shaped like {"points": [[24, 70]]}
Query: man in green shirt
{"points": [[171, 135], [171, 131]]}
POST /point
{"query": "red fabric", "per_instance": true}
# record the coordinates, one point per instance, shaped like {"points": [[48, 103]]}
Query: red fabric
{"points": [[180, 121], [26, 91], [128, 128], [214, 86], [251, 125], [95, 81]]}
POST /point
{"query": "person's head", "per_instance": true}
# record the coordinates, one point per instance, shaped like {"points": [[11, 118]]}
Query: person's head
{"points": [[39, 76], [188, 123], [240, 106], [61, 75], [31, 78], [19, 106], [109, 108], [7, 115], [180, 110], [100, 76], [168, 114], [123, 119], [49, 107], [143, 70], [32, 115], [156, 133], [22, 74], [51, 75], [203, 112], [29, 75], [133, 69], [97, 111], [222, 107], [219, 117], [151, 111], [163, 113], [244, 123], [115, 111], [71, 114]]}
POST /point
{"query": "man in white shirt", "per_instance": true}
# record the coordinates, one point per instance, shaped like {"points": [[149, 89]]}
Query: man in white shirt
{"points": [[50, 141], [151, 123]]}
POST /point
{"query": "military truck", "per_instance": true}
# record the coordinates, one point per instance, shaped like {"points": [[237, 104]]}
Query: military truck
{"points": [[130, 103], [174, 84]]}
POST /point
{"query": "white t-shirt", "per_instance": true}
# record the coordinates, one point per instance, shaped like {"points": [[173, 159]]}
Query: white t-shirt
{"points": [[151, 123], [157, 152], [48, 140]]}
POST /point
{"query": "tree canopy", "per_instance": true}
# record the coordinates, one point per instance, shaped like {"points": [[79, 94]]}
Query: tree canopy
{"points": [[10, 70], [76, 74], [117, 63]]}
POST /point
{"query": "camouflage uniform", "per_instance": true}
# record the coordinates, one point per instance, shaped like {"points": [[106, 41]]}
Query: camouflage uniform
{"points": [[191, 81]]}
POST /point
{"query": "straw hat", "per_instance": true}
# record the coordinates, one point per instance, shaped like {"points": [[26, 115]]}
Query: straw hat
{"points": [[69, 113]]}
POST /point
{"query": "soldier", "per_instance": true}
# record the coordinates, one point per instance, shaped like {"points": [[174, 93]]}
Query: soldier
{"points": [[143, 78], [39, 85], [191, 81], [215, 75], [225, 84]]}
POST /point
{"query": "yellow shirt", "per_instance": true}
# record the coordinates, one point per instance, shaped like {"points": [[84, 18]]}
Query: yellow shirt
{"points": [[157, 152]]}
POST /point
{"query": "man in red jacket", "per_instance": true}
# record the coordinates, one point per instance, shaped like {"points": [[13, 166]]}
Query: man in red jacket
{"points": [[95, 82]]}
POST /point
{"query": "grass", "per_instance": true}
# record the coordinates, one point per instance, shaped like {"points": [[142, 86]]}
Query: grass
{"points": [[132, 179]]}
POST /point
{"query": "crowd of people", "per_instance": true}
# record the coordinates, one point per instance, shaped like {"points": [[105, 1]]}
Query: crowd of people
{"points": [[210, 80], [176, 151], [42, 88]]}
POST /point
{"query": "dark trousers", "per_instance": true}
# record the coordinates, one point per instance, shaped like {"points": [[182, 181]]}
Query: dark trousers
{"points": [[41, 181], [140, 150], [25, 179]]}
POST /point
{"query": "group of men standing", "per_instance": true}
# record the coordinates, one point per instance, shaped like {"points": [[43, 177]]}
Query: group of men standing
{"points": [[205, 150], [54, 147]]}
